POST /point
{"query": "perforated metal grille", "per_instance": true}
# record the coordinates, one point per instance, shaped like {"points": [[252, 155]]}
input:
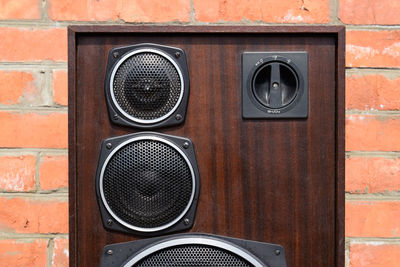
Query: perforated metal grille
{"points": [[147, 86], [147, 183], [193, 256]]}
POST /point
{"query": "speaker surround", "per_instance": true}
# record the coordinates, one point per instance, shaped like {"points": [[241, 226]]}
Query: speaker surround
{"points": [[147, 183], [194, 249], [147, 86]]}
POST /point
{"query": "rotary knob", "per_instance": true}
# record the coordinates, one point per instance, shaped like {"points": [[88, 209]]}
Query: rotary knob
{"points": [[275, 84]]}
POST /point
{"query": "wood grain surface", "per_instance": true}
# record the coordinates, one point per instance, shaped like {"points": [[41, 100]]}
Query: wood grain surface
{"points": [[277, 181]]}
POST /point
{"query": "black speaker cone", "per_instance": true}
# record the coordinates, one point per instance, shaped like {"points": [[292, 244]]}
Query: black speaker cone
{"points": [[147, 183]]}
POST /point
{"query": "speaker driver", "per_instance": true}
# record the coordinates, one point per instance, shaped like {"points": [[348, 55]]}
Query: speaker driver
{"points": [[187, 250], [211, 254], [148, 183], [146, 85]]}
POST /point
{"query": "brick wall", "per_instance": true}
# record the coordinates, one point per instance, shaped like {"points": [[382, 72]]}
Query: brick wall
{"points": [[33, 112]]}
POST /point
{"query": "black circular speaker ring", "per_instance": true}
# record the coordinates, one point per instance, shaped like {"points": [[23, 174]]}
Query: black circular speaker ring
{"points": [[166, 143], [263, 68], [206, 241], [124, 59]]}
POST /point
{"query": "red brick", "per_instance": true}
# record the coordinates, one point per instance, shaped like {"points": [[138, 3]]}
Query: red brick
{"points": [[29, 44], [372, 133], [61, 253], [15, 84], [369, 11], [372, 48], [21, 9], [33, 130], [128, 11], [286, 11], [60, 87], [372, 175], [23, 215], [372, 92], [17, 173], [53, 172], [372, 219], [372, 255], [23, 253]]}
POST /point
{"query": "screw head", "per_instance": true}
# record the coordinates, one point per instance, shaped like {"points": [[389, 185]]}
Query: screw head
{"points": [[109, 221], [178, 117], [177, 55], [186, 145], [186, 221], [275, 85], [277, 252], [109, 252], [108, 145], [115, 54]]}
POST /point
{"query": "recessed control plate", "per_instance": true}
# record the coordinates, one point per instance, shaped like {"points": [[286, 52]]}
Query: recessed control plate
{"points": [[274, 85]]}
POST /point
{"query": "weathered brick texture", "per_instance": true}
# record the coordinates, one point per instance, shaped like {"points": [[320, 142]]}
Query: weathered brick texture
{"points": [[373, 48], [373, 219], [19, 10], [34, 99], [372, 175], [30, 44], [60, 87], [369, 12], [18, 87], [120, 10], [60, 256], [33, 130], [374, 254], [286, 11], [372, 133], [373, 91], [23, 253], [53, 172], [38, 215], [17, 173]]}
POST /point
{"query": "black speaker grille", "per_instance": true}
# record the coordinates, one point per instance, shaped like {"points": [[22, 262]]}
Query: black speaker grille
{"points": [[192, 256], [147, 183], [147, 86]]}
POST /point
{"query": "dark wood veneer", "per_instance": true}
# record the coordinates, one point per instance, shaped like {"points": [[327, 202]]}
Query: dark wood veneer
{"points": [[279, 181]]}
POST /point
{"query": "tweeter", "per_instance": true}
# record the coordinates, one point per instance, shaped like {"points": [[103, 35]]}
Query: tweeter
{"points": [[147, 86]]}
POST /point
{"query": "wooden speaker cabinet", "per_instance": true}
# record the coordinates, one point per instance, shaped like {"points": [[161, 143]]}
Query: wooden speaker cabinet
{"points": [[268, 172]]}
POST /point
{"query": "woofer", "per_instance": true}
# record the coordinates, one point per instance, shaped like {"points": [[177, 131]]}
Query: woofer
{"points": [[193, 249], [147, 183], [147, 85]]}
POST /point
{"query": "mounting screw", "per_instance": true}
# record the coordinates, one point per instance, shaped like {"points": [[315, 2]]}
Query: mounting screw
{"points": [[178, 117], [109, 221], [177, 55], [186, 221], [275, 85], [108, 145], [115, 117], [277, 252], [186, 145], [115, 54], [109, 252]]}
